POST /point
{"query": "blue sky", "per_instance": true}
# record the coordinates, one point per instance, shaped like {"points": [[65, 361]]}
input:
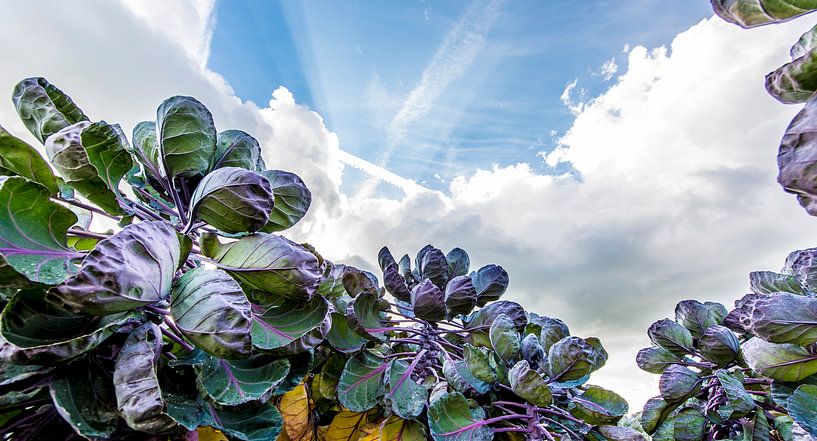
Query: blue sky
{"points": [[356, 64]]}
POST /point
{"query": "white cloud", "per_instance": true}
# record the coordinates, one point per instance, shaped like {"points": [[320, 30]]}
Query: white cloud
{"points": [[608, 69], [676, 197]]}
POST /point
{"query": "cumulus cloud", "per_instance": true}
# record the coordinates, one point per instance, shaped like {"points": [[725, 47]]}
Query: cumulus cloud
{"points": [[608, 69], [675, 196]]}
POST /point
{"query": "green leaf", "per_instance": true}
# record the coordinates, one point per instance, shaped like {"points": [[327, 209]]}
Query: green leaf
{"points": [[529, 385], [678, 383], [291, 327], [232, 200], [236, 148], [785, 318], [794, 82], [365, 316], [245, 423], [549, 330], [450, 419], [132, 268], [479, 322], [92, 159], [689, 425], [671, 336], [571, 358], [43, 108], [490, 281], [342, 337], [33, 232], [694, 316], [655, 412], [267, 263], [719, 345], [408, 399], [504, 338], [655, 360], [138, 395], [361, 383], [801, 407], [784, 362], [740, 402], [398, 429], [599, 406], [300, 366], [460, 378], [211, 310], [292, 200], [234, 382], [83, 395], [330, 376], [752, 13], [767, 282], [146, 146], [19, 158], [186, 135], [478, 363], [39, 331]]}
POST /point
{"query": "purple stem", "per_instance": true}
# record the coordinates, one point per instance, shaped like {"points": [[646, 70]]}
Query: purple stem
{"points": [[167, 333], [89, 208]]}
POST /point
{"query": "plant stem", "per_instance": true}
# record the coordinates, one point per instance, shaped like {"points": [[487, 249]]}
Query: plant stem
{"points": [[90, 234], [167, 333], [91, 208], [164, 207], [157, 310]]}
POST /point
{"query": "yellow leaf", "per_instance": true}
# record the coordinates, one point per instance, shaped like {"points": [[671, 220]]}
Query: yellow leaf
{"points": [[348, 425], [294, 407], [398, 429], [210, 434]]}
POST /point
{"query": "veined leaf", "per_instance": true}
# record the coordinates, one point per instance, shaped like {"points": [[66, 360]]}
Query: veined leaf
{"points": [[294, 407], [478, 363], [365, 317], [300, 366], [33, 232], [292, 200], [785, 318], [529, 384], [719, 345], [211, 310], [801, 407], [783, 362], [678, 383], [398, 429], [671, 336], [450, 419], [428, 302], [694, 316], [597, 405], [38, 331], [395, 283], [689, 425], [549, 330], [348, 426], [408, 398], [752, 13], [138, 395], [330, 376], [740, 402], [342, 337], [292, 326], [490, 281], [655, 360], [794, 82], [19, 158], [234, 382], [767, 282], [132, 268], [504, 338], [796, 160], [232, 200], [479, 322], [83, 395], [43, 108], [460, 296], [458, 262], [571, 358], [236, 148], [267, 263], [361, 383], [92, 159], [433, 266], [186, 135], [655, 412]]}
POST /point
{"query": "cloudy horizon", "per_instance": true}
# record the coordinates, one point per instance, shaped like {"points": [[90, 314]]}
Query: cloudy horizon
{"points": [[659, 188]]}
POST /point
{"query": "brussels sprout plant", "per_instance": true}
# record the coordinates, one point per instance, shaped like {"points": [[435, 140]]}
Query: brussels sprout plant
{"points": [[184, 315], [746, 374], [164, 322]]}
